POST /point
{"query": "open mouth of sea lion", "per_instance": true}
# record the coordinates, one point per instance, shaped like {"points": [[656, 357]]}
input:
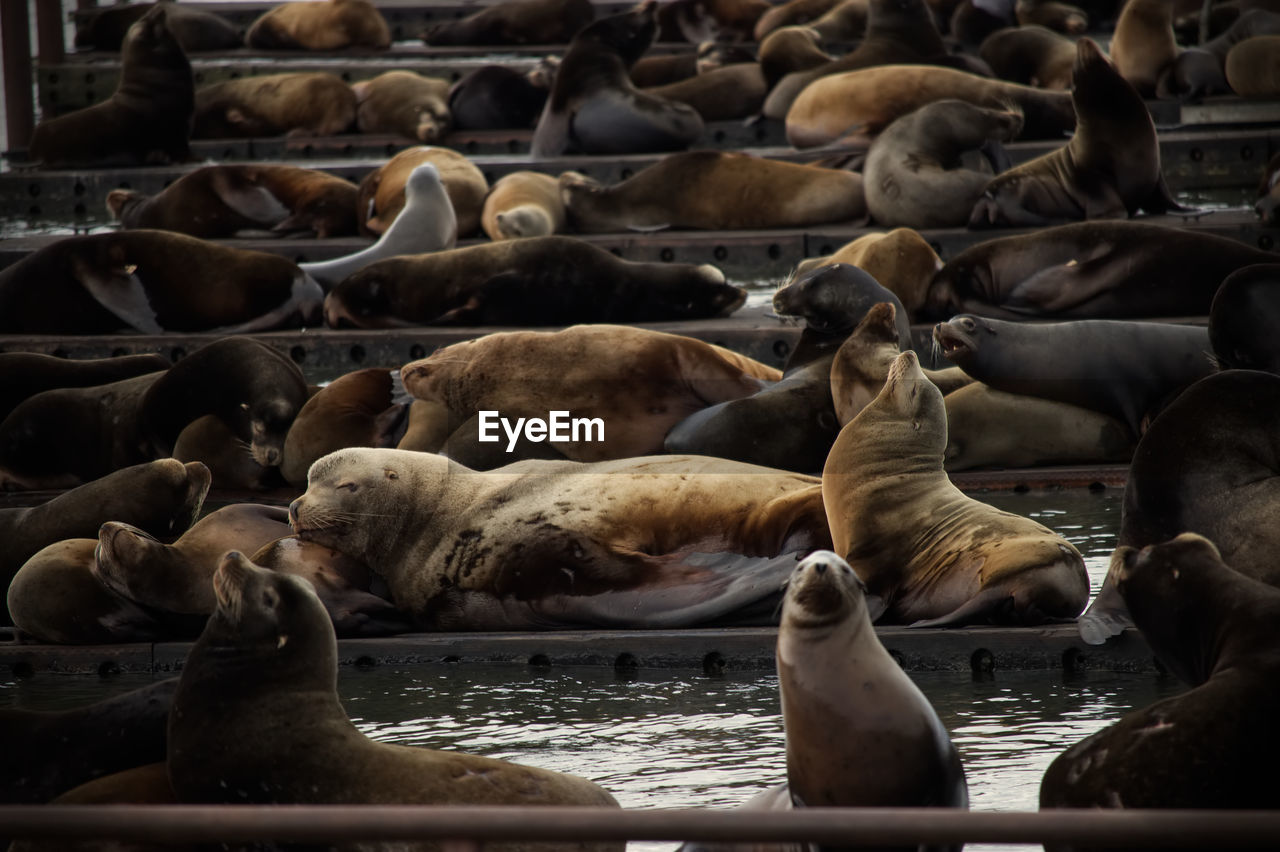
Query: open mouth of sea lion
{"points": [[951, 340]]}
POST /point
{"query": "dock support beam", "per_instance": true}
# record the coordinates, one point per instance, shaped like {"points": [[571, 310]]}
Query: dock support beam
{"points": [[50, 42], [15, 44]]}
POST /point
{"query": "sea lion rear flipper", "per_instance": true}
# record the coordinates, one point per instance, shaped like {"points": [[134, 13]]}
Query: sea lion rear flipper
{"points": [[1107, 616], [1063, 287], [252, 201], [120, 291], [876, 607], [1161, 200]]}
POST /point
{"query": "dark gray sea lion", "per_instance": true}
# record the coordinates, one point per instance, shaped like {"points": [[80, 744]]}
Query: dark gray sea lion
{"points": [[1090, 270], [1244, 314], [495, 97], [25, 374], [595, 109], [721, 94], [1128, 370], [151, 282], [302, 103], [832, 300], [195, 29], [1214, 628], [227, 743], [535, 281], [515, 22], [329, 25], [146, 120]]}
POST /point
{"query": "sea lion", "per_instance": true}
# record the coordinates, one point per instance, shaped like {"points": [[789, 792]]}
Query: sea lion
{"points": [[790, 49], [721, 94], [303, 103], [494, 97], [914, 174], [928, 554], [403, 103], [705, 20], [426, 223], [515, 22], [146, 120], [1089, 270], [901, 258], [227, 743], [1031, 56], [534, 281], [1053, 15], [523, 204], [845, 21], [972, 21], [1241, 319], [1109, 169], [789, 14], [1144, 44], [354, 410], [195, 29], [25, 374], [595, 109], [1212, 627], [50, 752], [832, 300], [991, 428], [1127, 370], [638, 382], [330, 25], [1207, 464], [210, 441], [162, 497], [151, 282], [857, 105], [897, 32], [842, 749], [218, 201], [663, 68], [654, 541], [715, 190], [1253, 67], [382, 191]]}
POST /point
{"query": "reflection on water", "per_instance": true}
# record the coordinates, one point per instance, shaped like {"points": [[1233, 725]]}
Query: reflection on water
{"points": [[680, 739]]}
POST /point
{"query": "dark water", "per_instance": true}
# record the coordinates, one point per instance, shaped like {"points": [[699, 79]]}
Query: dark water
{"points": [[682, 739]]}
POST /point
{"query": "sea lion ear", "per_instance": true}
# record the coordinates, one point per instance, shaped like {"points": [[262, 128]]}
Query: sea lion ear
{"points": [[235, 116], [391, 474]]}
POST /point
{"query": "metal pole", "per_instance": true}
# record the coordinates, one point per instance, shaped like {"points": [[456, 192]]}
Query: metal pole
{"points": [[15, 44], [51, 45]]}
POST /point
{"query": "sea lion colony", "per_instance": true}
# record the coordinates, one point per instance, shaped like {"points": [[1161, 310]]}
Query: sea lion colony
{"points": [[243, 416]]}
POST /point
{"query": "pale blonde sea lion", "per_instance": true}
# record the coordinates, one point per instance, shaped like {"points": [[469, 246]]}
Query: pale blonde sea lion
{"points": [[523, 204]]}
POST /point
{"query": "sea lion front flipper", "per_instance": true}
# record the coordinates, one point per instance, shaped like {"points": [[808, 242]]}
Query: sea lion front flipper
{"points": [[1107, 616], [1161, 200], [551, 136], [122, 292], [251, 200], [617, 122], [1066, 286]]}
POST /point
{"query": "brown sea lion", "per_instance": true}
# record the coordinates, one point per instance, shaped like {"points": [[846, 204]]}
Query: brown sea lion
{"points": [[210, 441], [1031, 56], [1056, 16], [789, 14], [595, 109], [722, 94], [354, 410], [790, 49], [403, 103], [705, 20], [523, 204], [649, 542], [1253, 67], [195, 29], [663, 68], [928, 554], [515, 22], [639, 382], [146, 120], [857, 105], [25, 374], [327, 25], [303, 103], [151, 282], [715, 190], [382, 195], [902, 260], [533, 281], [973, 20], [915, 175], [1109, 169], [845, 21], [217, 201], [1144, 44]]}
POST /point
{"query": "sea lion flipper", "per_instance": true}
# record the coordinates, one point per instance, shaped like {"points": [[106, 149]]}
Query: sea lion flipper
{"points": [[122, 292], [1063, 287], [251, 200], [1107, 616], [1161, 200]]}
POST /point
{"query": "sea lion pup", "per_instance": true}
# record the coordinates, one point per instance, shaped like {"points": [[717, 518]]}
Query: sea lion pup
{"points": [[1109, 169], [25, 374], [1253, 70], [1207, 463], [1128, 370], [304, 103], [48, 753], [901, 258], [915, 175], [1032, 56], [649, 542], [382, 191], [929, 555], [1245, 309], [196, 30], [891, 752], [638, 382], [898, 31], [857, 105], [495, 97], [163, 497], [1089, 270], [721, 94], [533, 281], [1214, 629], [790, 49], [515, 22], [1059, 17], [426, 224], [523, 204], [151, 282], [218, 201], [403, 103], [330, 25], [358, 409], [227, 743], [595, 109], [146, 120], [715, 190]]}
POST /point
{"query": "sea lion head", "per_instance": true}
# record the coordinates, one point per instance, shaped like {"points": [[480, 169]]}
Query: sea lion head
{"points": [[629, 34], [968, 275], [831, 298], [527, 220], [365, 297], [1095, 83], [909, 411], [863, 360], [822, 590], [960, 338], [701, 292], [121, 549]]}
